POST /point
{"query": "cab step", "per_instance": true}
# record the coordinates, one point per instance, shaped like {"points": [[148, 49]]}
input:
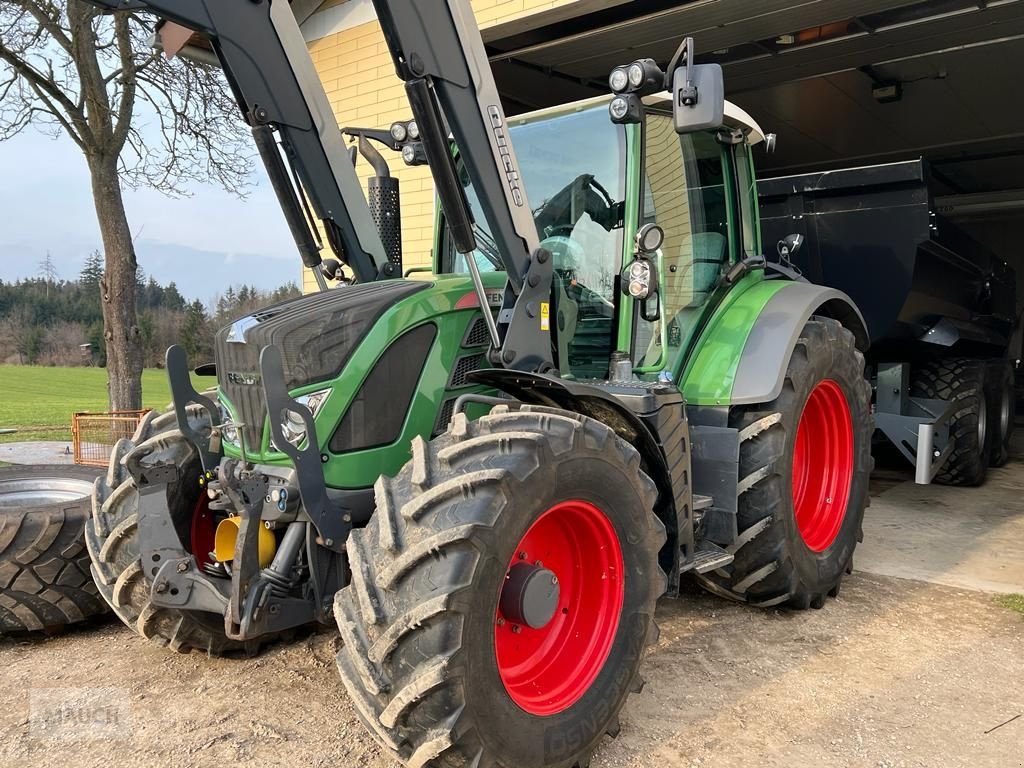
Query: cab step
{"points": [[708, 557]]}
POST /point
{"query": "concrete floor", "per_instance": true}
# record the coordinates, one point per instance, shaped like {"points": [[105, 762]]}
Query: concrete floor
{"points": [[37, 452], [972, 538]]}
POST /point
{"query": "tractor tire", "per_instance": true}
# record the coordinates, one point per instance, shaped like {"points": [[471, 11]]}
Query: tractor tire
{"points": [[45, 583], [800, 514], [112, 539], [1002, 410], [964, 382], [442, 663]]}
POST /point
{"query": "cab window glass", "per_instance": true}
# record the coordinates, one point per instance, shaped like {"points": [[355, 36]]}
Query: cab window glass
{"points": [[748, 200], [573, 167], [685, 194]]}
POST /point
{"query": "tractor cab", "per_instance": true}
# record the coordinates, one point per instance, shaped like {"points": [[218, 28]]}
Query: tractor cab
{"points": [[594, 185]]}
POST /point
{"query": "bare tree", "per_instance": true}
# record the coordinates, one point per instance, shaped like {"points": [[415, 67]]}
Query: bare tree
{"points": [[71, 71]]}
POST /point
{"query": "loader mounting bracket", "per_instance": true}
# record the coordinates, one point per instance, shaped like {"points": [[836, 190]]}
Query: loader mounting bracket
{"points": [[184, 394], [332, 524]]}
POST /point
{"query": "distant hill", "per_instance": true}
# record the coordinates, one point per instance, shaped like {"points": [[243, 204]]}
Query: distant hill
{"points": [[199, 274]]}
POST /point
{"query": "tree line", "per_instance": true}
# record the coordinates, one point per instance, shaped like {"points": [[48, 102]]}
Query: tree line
{"points": [[48, 321]]}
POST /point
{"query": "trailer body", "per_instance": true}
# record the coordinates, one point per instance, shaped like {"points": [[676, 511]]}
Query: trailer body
{"points": [[929, 293]]}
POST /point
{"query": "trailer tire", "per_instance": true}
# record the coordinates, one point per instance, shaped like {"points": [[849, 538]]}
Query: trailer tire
{"points": [[964, 382], [433, 669], [112, 539], [45, 582], [1002, 410], [793, 550]]}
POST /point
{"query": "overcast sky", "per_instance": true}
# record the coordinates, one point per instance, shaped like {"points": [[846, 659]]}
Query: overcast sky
{"points": [[46, 204]]}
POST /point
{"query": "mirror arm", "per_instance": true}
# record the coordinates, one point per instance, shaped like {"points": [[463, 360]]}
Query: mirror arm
{"points": [[742, 268]]}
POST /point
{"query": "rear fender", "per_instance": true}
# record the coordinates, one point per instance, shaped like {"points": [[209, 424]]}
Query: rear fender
{"points": [[757, 373]]}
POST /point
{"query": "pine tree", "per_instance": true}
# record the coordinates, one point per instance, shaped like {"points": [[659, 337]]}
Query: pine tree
{"points": [[194, 333], [92, 272]]}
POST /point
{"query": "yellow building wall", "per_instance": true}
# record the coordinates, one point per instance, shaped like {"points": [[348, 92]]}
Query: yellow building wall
{"points": [[359, 77]]}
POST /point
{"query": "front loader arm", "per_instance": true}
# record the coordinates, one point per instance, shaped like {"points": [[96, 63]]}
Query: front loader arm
{"points": [[440, 55], [278, 90]]}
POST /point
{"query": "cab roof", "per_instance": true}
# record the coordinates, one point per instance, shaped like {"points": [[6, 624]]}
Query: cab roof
{"points": [[735, 117]]}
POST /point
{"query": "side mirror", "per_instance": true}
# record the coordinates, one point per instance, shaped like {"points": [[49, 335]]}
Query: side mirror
{"points": [[790, 246], [698, 96]]}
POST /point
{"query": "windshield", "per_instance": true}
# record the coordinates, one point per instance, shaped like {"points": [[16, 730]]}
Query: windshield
{"points": [[574, 169]]}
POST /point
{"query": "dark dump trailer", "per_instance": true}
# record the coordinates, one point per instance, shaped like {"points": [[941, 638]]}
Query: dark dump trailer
{"points": [[940, 308]]}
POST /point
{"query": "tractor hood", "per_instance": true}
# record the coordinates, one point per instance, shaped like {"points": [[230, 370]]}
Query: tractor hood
{"points": [[315, 334]]}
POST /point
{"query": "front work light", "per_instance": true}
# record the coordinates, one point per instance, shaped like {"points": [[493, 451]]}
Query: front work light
{"points": [[626, 108], [399, 132], [619, 80]]}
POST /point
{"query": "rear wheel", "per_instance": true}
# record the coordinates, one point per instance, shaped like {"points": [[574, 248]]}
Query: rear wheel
{"points": [[805, 460], [113, 539], [963, 382], [503, 593]]}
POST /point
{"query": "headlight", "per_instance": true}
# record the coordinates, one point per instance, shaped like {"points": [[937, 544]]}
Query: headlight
{"points": [[399, 132], [414, 131], [638, 279], [293, 426], [228, 432], [619, 80], [409, 154]]}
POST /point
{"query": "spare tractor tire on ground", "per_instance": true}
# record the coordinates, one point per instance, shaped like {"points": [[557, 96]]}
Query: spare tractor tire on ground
{"points": [[45, 582], [965, 382], [503, 593], [805, 461], [112, 537], [1002, 410]]}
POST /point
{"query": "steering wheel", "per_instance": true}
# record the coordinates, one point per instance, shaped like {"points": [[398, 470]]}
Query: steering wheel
{"points": [[567, 254]]}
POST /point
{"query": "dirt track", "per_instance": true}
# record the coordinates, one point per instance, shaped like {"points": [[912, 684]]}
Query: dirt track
{"points": [[895, 673]]}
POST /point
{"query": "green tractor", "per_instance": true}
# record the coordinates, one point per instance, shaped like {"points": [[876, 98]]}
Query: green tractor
{"points": [[488, 478]]}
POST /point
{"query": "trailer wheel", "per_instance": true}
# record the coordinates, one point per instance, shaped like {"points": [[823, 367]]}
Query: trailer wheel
{"points": [[503, 593], [44, 569], [1002, 410], [805, 460], [112, 539], [963, 382]]}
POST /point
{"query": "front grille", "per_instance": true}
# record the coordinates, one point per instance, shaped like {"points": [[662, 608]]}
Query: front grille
{"points": [[315, 334], [444, 417], [463, 367], [477, 335]]}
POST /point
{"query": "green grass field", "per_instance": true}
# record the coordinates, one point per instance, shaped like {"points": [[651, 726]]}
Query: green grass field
{"points": [[39, 402]]}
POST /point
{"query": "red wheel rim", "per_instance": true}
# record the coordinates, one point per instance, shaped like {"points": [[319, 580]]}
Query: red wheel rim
{"points": [[203, 529], [547, 670], [823, 465]]}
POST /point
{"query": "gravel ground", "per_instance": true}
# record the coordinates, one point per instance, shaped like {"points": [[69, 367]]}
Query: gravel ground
{"points": [[893, 674]]}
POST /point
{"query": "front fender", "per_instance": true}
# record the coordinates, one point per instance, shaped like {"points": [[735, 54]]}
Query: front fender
{"points": [[743, 354]]}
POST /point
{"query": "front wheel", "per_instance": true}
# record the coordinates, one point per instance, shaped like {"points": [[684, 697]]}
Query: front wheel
{"points": [[805, 461], [503, 593]]}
